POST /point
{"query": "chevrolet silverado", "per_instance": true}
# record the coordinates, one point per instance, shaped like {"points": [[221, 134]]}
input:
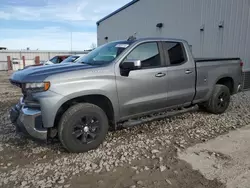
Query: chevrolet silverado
{"points": [[115, 85]]}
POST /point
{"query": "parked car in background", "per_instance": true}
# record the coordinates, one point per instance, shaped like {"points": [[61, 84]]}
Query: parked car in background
{"points": [[73, 58], [35, 65], [57, 59], [42, 62], [116, 85]]}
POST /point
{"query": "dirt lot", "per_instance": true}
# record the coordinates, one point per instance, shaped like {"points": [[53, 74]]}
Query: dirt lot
{"points": [[226, 157], [144, 156]]}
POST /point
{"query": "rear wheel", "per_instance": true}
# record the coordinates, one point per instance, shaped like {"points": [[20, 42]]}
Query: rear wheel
{"points": [[83, 127], [219, 101]]}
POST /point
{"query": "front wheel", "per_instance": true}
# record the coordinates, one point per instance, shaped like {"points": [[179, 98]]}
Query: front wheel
{"points": [[83, 127], [219, 101]]}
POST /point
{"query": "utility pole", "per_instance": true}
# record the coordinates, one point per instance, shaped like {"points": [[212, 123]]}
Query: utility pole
{"points": [[71, 41]]}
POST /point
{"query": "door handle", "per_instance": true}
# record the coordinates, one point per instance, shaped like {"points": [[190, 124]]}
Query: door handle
{"points": [[188, 71], [160, 74]]}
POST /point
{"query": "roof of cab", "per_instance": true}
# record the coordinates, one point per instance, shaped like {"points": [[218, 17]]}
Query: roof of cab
{"points": [[160, 39], [153, 39]]}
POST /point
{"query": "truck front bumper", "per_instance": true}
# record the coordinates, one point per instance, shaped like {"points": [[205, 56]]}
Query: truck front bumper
{"points": [[28, 121]]}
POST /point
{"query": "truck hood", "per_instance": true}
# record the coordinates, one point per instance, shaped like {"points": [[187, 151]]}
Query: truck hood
{"points": [[40, 73]]}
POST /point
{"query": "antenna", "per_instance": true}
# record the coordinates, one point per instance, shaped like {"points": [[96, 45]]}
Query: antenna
{"points": [[132, 37]]}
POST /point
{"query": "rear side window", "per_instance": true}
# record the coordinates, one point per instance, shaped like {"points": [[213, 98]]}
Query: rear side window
{"points": [[176, 53]]}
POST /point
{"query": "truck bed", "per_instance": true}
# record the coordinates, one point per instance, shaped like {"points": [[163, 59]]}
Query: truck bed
{"points": [[211, 71]]}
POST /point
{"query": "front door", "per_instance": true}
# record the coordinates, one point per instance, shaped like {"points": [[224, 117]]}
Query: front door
{"points": [[181, 75], [145, 89]]}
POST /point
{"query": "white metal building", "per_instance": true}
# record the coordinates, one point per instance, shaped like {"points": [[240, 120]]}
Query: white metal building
{"points": [[214, 28]]}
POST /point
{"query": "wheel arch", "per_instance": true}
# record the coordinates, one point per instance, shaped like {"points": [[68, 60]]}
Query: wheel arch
{"points": [[226, 81], [97, 99]]}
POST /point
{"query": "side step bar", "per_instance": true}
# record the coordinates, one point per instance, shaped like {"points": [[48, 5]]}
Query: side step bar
{"points": [[132, 122]]}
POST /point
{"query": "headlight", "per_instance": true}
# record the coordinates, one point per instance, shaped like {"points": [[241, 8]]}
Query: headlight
{"points": [[37, 87]]}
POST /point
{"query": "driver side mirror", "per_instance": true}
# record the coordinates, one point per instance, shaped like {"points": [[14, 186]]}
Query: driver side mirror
{"points": [[131, 64]]}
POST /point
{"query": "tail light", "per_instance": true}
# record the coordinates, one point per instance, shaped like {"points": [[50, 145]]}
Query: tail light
{"points": [[241, 64]]}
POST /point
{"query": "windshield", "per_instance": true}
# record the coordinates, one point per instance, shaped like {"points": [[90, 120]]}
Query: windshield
{"points": [[105, 54], [70, 59]]}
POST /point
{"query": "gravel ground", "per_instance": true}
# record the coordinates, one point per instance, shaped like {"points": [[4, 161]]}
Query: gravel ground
{"points": [[143, 156]]}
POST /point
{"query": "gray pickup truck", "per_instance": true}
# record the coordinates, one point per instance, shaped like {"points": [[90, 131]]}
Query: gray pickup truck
{"points": [[116, 85]]}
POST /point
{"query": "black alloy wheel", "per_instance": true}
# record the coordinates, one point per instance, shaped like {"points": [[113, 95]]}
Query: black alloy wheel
{"points": [[83, 127], [223, 100], [219, 100], [86, 129]]}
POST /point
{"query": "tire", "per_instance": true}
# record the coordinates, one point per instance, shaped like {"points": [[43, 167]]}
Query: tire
{"points": [[219, 101], [83, 127]]}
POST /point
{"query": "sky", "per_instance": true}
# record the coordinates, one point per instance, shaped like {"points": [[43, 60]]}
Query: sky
{"points": [[48, 24]]}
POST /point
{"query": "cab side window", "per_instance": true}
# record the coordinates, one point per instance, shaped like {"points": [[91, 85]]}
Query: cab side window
{"points": [[176, 53], [148, 53]]}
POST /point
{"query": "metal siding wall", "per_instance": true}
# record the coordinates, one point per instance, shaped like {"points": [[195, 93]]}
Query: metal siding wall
{"points": [[143, 16], [233, 39], [183, 19], [236, 33], [245, 24], [247, 39], [29, 62], [121, 25], [3, 66], [210, 32], [3, 58], [44, 56], [148, 14]]}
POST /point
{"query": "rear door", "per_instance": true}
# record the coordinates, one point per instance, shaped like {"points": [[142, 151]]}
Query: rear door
{"points": [[180, 73], [145, 89]]}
